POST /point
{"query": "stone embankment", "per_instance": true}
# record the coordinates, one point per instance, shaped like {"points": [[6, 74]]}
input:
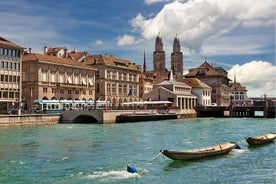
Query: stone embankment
{"points": [[29, 119]]}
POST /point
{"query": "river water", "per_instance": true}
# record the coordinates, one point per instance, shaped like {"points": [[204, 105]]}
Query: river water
{"points": [[97, 153]]}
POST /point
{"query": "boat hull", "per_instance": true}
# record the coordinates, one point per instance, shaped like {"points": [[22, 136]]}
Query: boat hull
{"points": [[144, 117], [220, 149], [262, 139]]}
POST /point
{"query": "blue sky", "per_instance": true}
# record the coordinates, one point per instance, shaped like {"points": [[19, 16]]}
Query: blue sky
{"points": [[236, 35]]}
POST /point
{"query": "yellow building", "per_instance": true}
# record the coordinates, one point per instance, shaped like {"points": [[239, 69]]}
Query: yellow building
{"points": [[117, 80], [51, 77], [10, 80]]}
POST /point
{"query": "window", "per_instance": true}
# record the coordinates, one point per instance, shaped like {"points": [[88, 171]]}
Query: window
{"points": [[77, 92], [44, 76], [69, 91], [69, 78], [61, 91], [76, 79], [44, 90], [53, 77], [61, 77], [54, 90]]}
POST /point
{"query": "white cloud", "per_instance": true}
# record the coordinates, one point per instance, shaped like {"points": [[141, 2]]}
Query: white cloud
{"points": [[257, 76], [198, 20], [125, 40], [99, 42]]}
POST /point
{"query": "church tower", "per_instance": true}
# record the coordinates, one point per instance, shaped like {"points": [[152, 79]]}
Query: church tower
{"points": [[159, 55], [177, 60]]}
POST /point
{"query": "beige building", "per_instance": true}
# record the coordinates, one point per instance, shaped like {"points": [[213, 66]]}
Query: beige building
{"points": [[10, 80], [216, 78], [117, 80], [51, 77]]}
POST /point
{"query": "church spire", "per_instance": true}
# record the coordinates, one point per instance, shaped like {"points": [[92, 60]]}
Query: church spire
{"points": [[145, 64]]}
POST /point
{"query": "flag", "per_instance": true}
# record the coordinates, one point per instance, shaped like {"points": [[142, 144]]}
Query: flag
{"points": [[130, 92]]}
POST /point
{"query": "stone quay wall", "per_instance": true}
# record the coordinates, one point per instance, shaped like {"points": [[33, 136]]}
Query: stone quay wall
{"points": [[29, 119]]}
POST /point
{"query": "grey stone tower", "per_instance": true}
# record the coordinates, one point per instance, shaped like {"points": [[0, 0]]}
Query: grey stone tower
{"points": [[177, 60], [159, 55]]}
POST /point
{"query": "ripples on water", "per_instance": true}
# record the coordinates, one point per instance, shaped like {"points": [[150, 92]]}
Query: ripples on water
{"points": [[89, 153]]}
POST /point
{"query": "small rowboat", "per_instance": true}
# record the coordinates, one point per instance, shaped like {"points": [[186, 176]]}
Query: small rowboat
{"points": [[262, 139], [220, 149]]}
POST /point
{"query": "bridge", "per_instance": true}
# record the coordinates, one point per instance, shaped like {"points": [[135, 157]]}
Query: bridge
{"points": [[236, 111], [93, 116]]}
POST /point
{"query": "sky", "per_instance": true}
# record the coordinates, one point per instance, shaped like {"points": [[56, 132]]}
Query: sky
{"points": [[236, 35]]}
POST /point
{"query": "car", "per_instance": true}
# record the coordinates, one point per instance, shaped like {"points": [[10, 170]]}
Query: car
{"points": [[214, 104]]}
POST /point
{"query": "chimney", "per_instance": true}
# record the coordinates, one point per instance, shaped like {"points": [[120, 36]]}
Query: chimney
{"points": [[30, 50], [45, 50], [65, 52]]}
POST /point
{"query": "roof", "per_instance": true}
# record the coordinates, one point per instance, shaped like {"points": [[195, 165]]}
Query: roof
{"points": [[111, 61], [206, 70], [158, 76], [194, 83], [8, 44], [77, 55], [54, 51], [52, 59], [168, 82], [236, 86]]}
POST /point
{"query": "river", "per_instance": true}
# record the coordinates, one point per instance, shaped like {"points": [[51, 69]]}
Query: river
{"points": [[99, 153]]}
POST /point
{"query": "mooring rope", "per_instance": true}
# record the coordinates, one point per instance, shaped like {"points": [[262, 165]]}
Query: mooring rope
{"points": [[153, 158]]}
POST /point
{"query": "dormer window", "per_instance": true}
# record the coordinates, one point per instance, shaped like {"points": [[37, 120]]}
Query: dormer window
{"points": [[202, 71]]}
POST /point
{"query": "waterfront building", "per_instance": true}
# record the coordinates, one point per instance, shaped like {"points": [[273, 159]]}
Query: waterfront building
{"points": [[10, 75], [178, 93], [54, 78], [216, 78], [199, 89], [177, 60], [238, 93], [117, 80]]}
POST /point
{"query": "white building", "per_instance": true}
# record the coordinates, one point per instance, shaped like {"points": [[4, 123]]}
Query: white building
{"points": [[177, 92], [200, 89]]}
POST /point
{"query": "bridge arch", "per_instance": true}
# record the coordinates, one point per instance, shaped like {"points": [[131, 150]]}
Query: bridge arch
{"points": [[85, 119]]}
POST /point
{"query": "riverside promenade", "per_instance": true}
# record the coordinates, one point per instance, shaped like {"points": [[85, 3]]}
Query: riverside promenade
{"points": [[90, 117]]}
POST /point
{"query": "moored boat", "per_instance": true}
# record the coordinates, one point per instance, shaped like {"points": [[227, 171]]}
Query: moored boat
{"points": [[220, 149], [262, 139]]}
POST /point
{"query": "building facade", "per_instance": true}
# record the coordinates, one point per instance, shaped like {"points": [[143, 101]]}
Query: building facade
{"points": [[10, 75], [199, 89], [178, 93], [238, 93], [117, 80], [216, 78], [53, 78]]}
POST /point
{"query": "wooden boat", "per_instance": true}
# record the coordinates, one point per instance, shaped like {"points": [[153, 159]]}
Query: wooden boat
{"points": [[220, 149], [262, 139]]}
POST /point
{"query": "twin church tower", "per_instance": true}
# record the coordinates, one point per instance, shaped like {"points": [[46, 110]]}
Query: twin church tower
{"points": [[176, 58]]}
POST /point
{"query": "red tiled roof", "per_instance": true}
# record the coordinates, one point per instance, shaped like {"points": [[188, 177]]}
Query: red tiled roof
{"points": [[194, 82], [237, 87], [8, 44], [52, 59], [77, 55], [209, 71], [110, 60]]}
